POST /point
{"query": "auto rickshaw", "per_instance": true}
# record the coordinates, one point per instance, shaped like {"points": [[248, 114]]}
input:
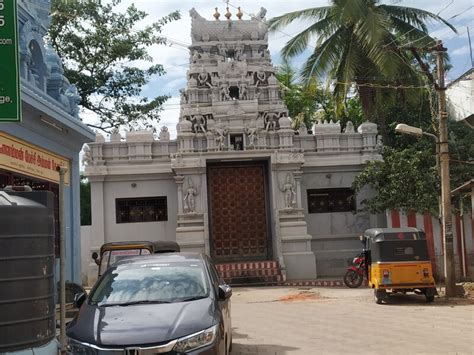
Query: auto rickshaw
{"points": [[112, 252], [398, 262]]}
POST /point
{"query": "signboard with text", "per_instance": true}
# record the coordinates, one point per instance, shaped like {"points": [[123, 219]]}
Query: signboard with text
{"points": [[24, 158], [10, 102]]}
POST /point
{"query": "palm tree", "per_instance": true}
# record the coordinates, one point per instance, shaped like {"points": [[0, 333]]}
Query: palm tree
{"points": [[358, 42]]}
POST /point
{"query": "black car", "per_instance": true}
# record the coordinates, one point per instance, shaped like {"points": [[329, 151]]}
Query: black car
{"points": [[158, 304]]}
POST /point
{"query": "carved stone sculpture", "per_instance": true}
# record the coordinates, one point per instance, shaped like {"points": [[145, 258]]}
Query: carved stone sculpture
{"points": [[203, 78], [87, 156], [199, 123], [270, 119], [289, 191], [349, 127], [189, 198], [243, 94], [261, 78], [74, 99], [252, 135], [184, 96], [164, 134], [220, 138], [225, 93]]}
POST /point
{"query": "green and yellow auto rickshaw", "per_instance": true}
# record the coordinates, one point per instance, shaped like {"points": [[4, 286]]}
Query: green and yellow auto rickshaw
{"points": [[398, 262]]}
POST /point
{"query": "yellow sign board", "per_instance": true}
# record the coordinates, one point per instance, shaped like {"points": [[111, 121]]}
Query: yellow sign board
{"points": [[24, 158]]}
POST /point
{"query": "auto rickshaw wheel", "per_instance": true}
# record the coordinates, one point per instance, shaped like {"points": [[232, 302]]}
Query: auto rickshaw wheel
{"points": [[379, 296], [429, 299]]}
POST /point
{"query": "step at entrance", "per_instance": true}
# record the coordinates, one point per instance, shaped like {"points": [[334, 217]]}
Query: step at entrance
{"points": [[251, 273]]}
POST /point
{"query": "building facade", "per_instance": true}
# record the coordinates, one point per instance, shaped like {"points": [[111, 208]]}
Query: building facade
{"points": [[50, 133], [238, 182]]}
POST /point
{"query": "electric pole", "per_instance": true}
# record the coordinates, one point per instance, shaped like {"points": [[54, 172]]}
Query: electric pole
{"points": [[449, 274], [450, 277]]}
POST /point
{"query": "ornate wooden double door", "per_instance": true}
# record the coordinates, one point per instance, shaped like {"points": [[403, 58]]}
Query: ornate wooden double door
{"points": [[238, 212]]}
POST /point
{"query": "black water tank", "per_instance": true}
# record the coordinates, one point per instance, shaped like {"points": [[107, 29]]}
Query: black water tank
{"points": [[27, 307]]}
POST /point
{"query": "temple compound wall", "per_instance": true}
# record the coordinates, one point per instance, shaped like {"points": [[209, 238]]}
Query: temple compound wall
{"points": [[238, 182]]}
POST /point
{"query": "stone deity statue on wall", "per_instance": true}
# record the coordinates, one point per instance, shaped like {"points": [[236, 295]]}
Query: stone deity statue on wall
{"points": [[252, 136], [243, 94], [225, 93], [289, 191], [270, 119], [199, 123], [164, 134], [220, 138], [203, 78], [190, 198], [261, 78]]}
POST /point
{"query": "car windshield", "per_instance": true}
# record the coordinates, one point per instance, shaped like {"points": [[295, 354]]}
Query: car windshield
{"points": [[152, 282]]}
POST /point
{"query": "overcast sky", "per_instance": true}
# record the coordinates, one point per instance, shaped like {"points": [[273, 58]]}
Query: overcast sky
{"points": [[175, 58]]}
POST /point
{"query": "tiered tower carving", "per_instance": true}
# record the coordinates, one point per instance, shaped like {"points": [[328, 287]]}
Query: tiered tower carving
{"points": [[233, 100]]}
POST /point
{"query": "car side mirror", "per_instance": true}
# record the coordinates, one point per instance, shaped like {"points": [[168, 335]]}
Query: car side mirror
{"points": [[79, 299], [225, 291], [95, 257]]}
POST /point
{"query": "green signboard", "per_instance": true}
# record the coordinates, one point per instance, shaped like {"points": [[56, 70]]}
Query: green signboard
{"points": [[10, 102]]}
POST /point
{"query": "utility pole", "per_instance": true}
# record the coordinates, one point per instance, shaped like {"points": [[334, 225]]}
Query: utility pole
{"points": [[450, 277], [449, 274]]}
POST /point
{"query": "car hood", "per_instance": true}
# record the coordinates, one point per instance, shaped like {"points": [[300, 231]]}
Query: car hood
{"points": [[141, 323]]}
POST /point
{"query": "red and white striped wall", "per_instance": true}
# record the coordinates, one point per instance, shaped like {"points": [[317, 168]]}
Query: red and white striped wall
{"points": [[463, 230]]}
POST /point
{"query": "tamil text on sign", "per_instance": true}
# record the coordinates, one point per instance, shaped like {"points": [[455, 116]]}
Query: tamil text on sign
{"points": [[27, 159]]}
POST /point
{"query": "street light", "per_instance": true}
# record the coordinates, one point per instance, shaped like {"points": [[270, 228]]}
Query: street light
{"points": [[414, 131], [445, 203]]}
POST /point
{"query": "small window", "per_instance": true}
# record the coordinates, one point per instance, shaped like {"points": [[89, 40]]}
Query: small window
{"points": [[143, 209], [237, 141], [234, 92], [331, 200]]}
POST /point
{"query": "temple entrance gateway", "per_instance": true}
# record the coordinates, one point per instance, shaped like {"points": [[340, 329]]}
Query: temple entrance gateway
{"points": [[238, 219]]}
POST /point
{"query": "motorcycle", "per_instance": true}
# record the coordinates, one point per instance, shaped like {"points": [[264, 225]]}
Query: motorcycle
{"points": [[356, 272]]}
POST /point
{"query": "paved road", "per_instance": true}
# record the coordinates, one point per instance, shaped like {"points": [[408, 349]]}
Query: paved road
{"points": [[344, 321]]}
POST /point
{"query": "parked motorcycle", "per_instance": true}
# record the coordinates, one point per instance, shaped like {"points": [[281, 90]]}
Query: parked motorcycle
{"points": [[355, 272]]}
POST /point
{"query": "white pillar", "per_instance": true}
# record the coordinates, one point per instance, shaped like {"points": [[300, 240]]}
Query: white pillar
{"points": [[179, 179]]}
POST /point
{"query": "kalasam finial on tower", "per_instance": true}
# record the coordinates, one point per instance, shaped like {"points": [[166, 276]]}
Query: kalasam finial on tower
{"points": [[217, 14], [239, 14], [228, 14]]}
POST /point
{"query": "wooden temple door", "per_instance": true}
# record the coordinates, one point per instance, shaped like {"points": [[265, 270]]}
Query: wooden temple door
{"points": [[238, 212]]}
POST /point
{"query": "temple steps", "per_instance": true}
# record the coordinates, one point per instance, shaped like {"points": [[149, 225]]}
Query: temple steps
{"points": [[268, 273], [263, 273]]}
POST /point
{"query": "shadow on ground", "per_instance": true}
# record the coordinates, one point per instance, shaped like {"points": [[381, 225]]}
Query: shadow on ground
{"points": [[256, 349], [417, 300]]}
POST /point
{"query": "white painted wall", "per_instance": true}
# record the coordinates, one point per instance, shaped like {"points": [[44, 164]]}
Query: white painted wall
{"points": [[143, 230], [335, 235]]}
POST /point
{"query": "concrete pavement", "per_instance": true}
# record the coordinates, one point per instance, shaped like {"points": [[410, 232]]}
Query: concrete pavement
{"points": [[282, 320]]}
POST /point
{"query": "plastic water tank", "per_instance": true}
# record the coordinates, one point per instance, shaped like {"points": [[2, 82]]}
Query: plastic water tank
{"points": [[27, 307]]}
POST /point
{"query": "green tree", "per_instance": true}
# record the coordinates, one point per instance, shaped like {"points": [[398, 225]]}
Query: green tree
{"points": [[103, 55], [308, 101], [407, 178], [357, 42]]}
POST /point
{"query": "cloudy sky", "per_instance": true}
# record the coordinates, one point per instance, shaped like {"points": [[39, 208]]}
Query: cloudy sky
{"points": [[175, 57]]}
